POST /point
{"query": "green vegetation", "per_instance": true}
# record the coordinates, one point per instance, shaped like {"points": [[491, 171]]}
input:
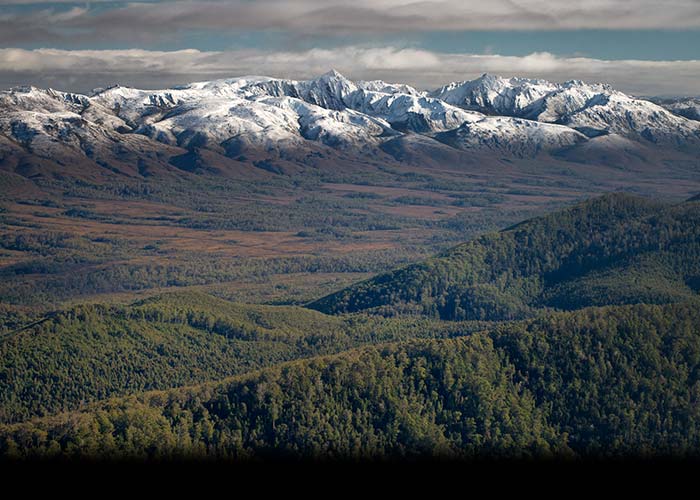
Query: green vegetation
{"points": [[575, 334], [616, 249], [63, 280], [90, 352], [611, 381]]}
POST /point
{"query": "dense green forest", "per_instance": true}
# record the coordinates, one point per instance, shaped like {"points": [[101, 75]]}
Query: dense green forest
{"points": [[603, 381], [616, 249], [89, 352]]}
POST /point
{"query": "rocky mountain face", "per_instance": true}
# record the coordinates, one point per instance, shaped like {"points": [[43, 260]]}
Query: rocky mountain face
{"points": [[687, 107], [218, 123]]}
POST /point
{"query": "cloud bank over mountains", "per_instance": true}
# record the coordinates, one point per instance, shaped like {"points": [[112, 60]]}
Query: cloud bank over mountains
{"points": [[83, 70]]}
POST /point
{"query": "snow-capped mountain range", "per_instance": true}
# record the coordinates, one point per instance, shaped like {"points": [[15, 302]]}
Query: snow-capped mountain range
{"points": [[130, 130]]}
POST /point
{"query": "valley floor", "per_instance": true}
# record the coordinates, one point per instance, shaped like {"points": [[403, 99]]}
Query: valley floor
{"points": [[161, 320], [287, 239]]}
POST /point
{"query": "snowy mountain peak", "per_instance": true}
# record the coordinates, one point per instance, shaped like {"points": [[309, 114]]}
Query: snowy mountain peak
{"points": [[330, 90], [493, 94], [101, 90], [332, 74], [388, 88]]}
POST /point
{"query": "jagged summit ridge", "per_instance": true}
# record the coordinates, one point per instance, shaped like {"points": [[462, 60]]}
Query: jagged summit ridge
{"points": [[494, 95]]}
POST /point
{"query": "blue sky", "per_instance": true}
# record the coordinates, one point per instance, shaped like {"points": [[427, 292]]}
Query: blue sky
{"points": [[626, 42]]}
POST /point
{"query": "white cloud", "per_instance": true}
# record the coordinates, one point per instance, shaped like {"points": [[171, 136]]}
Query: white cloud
{"points": [[83, 69]]}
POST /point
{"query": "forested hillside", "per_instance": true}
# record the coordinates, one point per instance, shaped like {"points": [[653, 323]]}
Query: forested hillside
{"points": [[616, 249], [89, 352], [601, 381]]}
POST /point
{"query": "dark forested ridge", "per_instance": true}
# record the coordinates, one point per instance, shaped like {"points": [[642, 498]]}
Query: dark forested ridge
{"points": [[598, 382], [616, 249]]}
